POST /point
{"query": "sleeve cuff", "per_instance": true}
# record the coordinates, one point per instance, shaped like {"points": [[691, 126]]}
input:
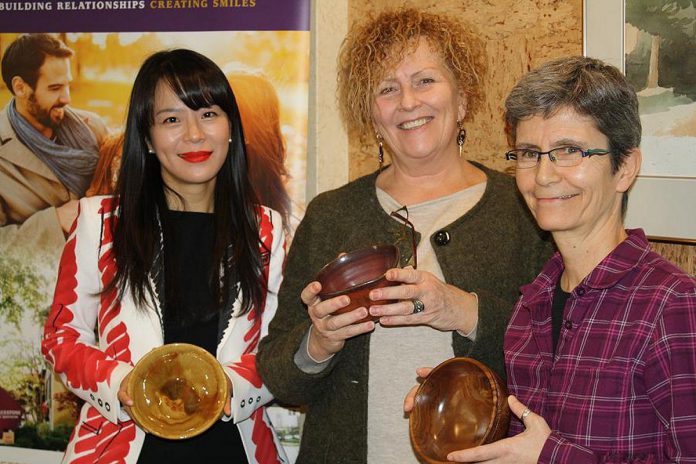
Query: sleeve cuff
{"points": [[305, 362], [472, 333]]}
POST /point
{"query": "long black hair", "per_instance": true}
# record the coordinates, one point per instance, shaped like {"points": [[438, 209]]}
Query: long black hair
{"points": [[198, 82]]}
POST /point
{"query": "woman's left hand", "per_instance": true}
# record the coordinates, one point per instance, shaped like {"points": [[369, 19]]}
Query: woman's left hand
{"points": [[444, 306], [520, 449]]}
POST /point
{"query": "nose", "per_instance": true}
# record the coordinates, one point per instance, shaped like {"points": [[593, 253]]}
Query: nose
{"points": [[64, 97], [194, 133], [408, 100], [546, 172]]}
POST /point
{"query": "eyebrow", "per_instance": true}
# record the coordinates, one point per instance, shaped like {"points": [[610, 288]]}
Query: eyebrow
{"points": [[168, 110], [558, 143], [426, 69]]}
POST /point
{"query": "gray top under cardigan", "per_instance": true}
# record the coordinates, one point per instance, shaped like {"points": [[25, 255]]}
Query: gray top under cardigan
{"points": [[492, 250]]}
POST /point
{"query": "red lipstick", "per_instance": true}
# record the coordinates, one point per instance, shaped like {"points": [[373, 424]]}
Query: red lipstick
{"points": [[195, 156]]}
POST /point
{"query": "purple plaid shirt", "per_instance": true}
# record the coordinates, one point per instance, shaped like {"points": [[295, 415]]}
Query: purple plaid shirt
{"points": [[622, 385]]}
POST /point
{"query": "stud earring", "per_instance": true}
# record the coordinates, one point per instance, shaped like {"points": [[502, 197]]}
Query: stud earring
{"points": [[151, 151], [461, 137], [380, 145], [229, 140]]}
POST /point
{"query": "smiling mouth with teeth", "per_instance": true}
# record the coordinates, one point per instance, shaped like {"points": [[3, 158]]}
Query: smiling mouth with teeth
{"points": [[558, 197], [413, 124]]}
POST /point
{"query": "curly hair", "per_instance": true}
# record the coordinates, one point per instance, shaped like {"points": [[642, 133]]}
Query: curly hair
{"points": [[371, 48]]}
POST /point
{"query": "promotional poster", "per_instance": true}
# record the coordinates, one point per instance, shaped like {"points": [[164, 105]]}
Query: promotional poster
{"points": [[262, 46]]}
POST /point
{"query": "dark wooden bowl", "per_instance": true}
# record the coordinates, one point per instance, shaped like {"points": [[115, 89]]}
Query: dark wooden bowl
{"points": [[357, 273], [178, 390], [461, 404]]}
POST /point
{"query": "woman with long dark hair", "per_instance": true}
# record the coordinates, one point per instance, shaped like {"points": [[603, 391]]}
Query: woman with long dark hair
{"points": [[181, 253]]}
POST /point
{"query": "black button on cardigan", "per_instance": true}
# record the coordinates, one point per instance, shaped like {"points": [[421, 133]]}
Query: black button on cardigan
{"points": [[441, 238]]}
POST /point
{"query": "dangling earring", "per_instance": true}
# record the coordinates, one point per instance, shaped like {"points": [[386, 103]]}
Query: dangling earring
{"points": [[461, 137], [380, 155]]}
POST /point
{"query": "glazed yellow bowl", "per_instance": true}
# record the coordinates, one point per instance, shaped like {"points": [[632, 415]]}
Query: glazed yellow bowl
{"points": [[178, 390]]}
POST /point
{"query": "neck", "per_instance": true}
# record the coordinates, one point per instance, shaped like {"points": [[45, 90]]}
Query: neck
{"points": [[583, 252], [194, 198], [418, 182]]}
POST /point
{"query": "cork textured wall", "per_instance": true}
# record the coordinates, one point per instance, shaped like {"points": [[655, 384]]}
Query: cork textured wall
{"points": [[519, 35]]}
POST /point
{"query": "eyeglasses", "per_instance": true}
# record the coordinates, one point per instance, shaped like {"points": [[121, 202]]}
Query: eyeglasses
{"points": [[562, 156], [396, 214]]}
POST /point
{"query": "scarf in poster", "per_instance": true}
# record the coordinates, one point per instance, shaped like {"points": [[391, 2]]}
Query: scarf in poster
{"points": [[72, 157]]}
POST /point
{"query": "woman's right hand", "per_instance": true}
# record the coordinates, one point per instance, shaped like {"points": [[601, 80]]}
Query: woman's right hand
{"points": [[409, 401], [329, 332]]}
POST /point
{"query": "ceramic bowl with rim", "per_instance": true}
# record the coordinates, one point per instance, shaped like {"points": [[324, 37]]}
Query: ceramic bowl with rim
{"points": [[357, 273], [178, 391], [460, 405]]}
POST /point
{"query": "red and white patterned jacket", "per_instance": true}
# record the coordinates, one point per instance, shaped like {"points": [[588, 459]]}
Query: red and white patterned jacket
{"points": [[93, 368]]}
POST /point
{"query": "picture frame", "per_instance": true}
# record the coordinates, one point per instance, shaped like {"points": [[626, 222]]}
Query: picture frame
{"points": [[662, 199]]}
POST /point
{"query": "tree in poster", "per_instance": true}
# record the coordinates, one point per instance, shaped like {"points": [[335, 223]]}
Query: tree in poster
{"points": [[20, 292], [667, 22]]}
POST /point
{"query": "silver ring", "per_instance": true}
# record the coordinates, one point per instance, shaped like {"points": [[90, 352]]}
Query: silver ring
{"points": [[525, 413], [418, 306]]}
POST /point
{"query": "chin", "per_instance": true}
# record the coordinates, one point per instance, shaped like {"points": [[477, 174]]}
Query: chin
{"points": [[552, 225]]}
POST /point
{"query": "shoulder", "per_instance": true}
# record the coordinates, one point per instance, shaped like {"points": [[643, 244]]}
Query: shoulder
{"points": [[269, 218], [501, 185], [656, 271], [7, 133], [270, 225], [502, 203], [97, 206], [344, 200], [354, 190]]}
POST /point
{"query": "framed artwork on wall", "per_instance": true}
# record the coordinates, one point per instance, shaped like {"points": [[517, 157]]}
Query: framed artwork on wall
{"points": [[650, 41]]}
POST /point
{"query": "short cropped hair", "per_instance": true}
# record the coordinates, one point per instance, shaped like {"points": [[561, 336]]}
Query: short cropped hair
{"points": [[25, 56], [371, 48], [591, 88]]}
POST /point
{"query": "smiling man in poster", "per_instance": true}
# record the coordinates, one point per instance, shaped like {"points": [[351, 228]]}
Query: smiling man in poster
{"points": [[48, 150]]}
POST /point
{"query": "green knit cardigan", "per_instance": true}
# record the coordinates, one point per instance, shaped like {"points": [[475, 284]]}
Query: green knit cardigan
{"points": [[492, 250]]}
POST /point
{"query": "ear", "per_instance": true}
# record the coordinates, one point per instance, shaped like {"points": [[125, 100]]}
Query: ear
{"points": [[19, 87], [463, 104], [375, 129], [628, 171]]}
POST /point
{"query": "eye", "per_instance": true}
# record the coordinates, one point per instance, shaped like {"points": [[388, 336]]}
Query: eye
{"points": [[170, 120], [524, 154], [426, 80], [570, 150], [386, 90], [209, 114]]}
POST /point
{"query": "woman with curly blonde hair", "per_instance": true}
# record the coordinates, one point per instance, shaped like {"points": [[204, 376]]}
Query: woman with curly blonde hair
{"points": [[408, 78]]}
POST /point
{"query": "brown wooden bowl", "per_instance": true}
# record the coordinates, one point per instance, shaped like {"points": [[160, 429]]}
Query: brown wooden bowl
{"points": [[461, 404], [178, 390], [357, 273]]}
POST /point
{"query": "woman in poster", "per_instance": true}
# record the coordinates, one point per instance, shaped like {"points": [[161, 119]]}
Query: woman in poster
{"points": [[181, 253]]}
